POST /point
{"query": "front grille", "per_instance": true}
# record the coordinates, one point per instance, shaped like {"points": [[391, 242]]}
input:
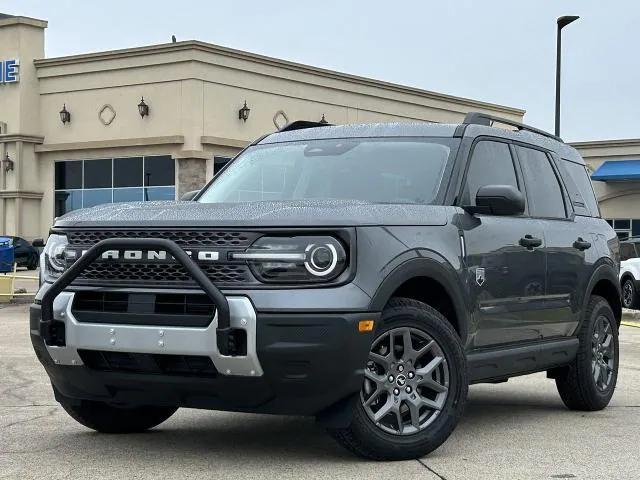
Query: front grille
{"points": [[169, 273], [136, 273], [184, 238], [146, 363], [141, 308]]}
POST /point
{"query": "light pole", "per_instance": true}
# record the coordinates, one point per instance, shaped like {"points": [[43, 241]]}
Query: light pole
{"points": [[562, 22]]}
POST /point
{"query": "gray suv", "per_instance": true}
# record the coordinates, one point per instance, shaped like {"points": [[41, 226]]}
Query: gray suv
{"points": [[361, 274]]}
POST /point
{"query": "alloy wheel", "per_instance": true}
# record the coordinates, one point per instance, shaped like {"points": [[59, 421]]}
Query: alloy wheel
{"points": [[627, 294], [406, 381], [603, 353]]}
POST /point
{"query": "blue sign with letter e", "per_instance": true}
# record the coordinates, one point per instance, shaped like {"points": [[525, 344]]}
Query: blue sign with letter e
{"points": [[9, 71]]}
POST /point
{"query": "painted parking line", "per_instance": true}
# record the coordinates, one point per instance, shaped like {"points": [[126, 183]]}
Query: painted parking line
{"points": [[631, 323]]}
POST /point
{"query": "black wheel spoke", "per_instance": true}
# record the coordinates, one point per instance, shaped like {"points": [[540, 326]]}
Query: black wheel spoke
{"points": [[603, 353]]}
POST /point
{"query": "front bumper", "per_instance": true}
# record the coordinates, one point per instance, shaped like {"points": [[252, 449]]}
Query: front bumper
{"points": [[296, 363]]}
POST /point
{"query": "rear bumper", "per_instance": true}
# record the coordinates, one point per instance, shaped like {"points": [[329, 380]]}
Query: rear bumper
{"points": [[295, 363]]}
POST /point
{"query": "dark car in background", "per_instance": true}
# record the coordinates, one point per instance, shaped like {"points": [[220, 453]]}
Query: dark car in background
{"points": [[25, 254]]}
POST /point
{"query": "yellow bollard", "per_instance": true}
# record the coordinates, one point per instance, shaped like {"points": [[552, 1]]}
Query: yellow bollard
{"points": [[6, 286]]}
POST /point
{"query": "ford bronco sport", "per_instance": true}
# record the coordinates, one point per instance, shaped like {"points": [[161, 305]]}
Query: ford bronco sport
{"points": [[361, 274]]}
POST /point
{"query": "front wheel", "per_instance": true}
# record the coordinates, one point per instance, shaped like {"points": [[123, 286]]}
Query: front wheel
{"points": [[629, 296], [415, 386], [106, 418], [589, 381]]}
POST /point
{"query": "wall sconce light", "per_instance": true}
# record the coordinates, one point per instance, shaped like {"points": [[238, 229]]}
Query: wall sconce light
{"points": [[143, 108], [323, 120], [65, 115], [7, 163], [243, 113]]}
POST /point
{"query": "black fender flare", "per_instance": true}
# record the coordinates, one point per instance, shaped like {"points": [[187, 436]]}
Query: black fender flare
{"points": [[435, 269], [604, 271]]}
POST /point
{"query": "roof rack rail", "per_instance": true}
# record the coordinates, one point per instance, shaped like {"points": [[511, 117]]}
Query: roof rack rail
{"points": [[477, 118], [302, 124]]}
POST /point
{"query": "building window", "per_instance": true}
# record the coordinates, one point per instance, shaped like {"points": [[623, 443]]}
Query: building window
{"points": [[219, 162], [87, 183], [625, 227]]}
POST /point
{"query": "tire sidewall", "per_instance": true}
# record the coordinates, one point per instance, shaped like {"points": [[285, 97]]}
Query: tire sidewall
{"points": [[600, 308], [426, 440]]}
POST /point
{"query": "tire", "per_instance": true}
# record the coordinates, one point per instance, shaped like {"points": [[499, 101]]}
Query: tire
{"points": [[106, 418], [33, 264], [629, 294], [577, 383], [382, 440]]}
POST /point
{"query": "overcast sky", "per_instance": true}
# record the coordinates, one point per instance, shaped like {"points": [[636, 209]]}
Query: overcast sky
{"points": [[492, 50]]}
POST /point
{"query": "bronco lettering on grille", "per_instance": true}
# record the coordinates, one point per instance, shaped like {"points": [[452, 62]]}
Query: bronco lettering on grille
{"points": [[149, 255]]}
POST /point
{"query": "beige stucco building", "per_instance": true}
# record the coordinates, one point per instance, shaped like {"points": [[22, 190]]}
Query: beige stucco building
{"points": [[615, 170], [108, 152]]}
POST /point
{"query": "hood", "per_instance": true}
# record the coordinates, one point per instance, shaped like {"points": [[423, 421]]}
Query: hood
{"points": [[314, 213]]}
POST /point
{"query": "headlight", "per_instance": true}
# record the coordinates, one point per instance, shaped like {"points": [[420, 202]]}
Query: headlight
{"points": [[300, 259], [54, 256]]}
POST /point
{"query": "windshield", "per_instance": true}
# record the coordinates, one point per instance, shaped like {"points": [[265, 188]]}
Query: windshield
{"points": [[380, 170]]}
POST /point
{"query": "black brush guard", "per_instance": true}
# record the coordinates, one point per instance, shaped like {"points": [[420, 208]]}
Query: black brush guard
{"points": [[224, 338]]}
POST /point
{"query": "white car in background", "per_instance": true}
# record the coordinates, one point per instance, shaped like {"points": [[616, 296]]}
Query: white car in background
{"points": [[630, 272]]}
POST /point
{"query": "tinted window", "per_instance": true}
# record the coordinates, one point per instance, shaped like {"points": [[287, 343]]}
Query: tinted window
{"points": [[159, 171], [491, 164], [97, 173], [543, 190], [627, 251], [127, 172], [67, 201], [91, 198], [580, 177], [68, 175], [219, 162]]}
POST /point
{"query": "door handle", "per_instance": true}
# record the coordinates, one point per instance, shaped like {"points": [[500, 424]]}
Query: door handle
{"points": [[530, 242], [581, 244]]}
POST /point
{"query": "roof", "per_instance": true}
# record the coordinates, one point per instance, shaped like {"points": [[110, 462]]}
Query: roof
{"points": [[422, 129], [364, 130], [465, 104], [617, 171], [7, 19], [621, 142]]}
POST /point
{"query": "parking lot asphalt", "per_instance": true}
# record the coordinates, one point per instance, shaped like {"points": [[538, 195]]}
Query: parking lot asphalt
{"points": [[514, 430]]}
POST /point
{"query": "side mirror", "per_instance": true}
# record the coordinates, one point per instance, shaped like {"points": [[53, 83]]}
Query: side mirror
{"points": [[38, 243], [187, 197], [498, 200]]}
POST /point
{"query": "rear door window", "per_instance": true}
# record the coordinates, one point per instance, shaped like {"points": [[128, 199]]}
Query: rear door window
{"points": [[544, 192]]}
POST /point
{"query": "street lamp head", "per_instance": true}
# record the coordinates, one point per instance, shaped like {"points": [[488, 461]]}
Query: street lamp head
{"points": [[566, 20]]}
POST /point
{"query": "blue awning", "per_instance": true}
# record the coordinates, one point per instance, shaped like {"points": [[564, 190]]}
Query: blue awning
{"points": [[617, 171]]}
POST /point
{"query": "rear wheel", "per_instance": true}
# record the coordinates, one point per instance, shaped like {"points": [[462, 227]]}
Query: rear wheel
{"points": [[629, 296], [106, 418], [415, 386], [589, 382]]}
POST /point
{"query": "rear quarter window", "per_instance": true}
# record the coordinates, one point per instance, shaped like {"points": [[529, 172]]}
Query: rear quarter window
{"points": [[582, 196]]}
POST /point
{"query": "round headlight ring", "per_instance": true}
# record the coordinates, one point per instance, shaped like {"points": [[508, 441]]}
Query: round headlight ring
{"points": [[311, 263]]}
